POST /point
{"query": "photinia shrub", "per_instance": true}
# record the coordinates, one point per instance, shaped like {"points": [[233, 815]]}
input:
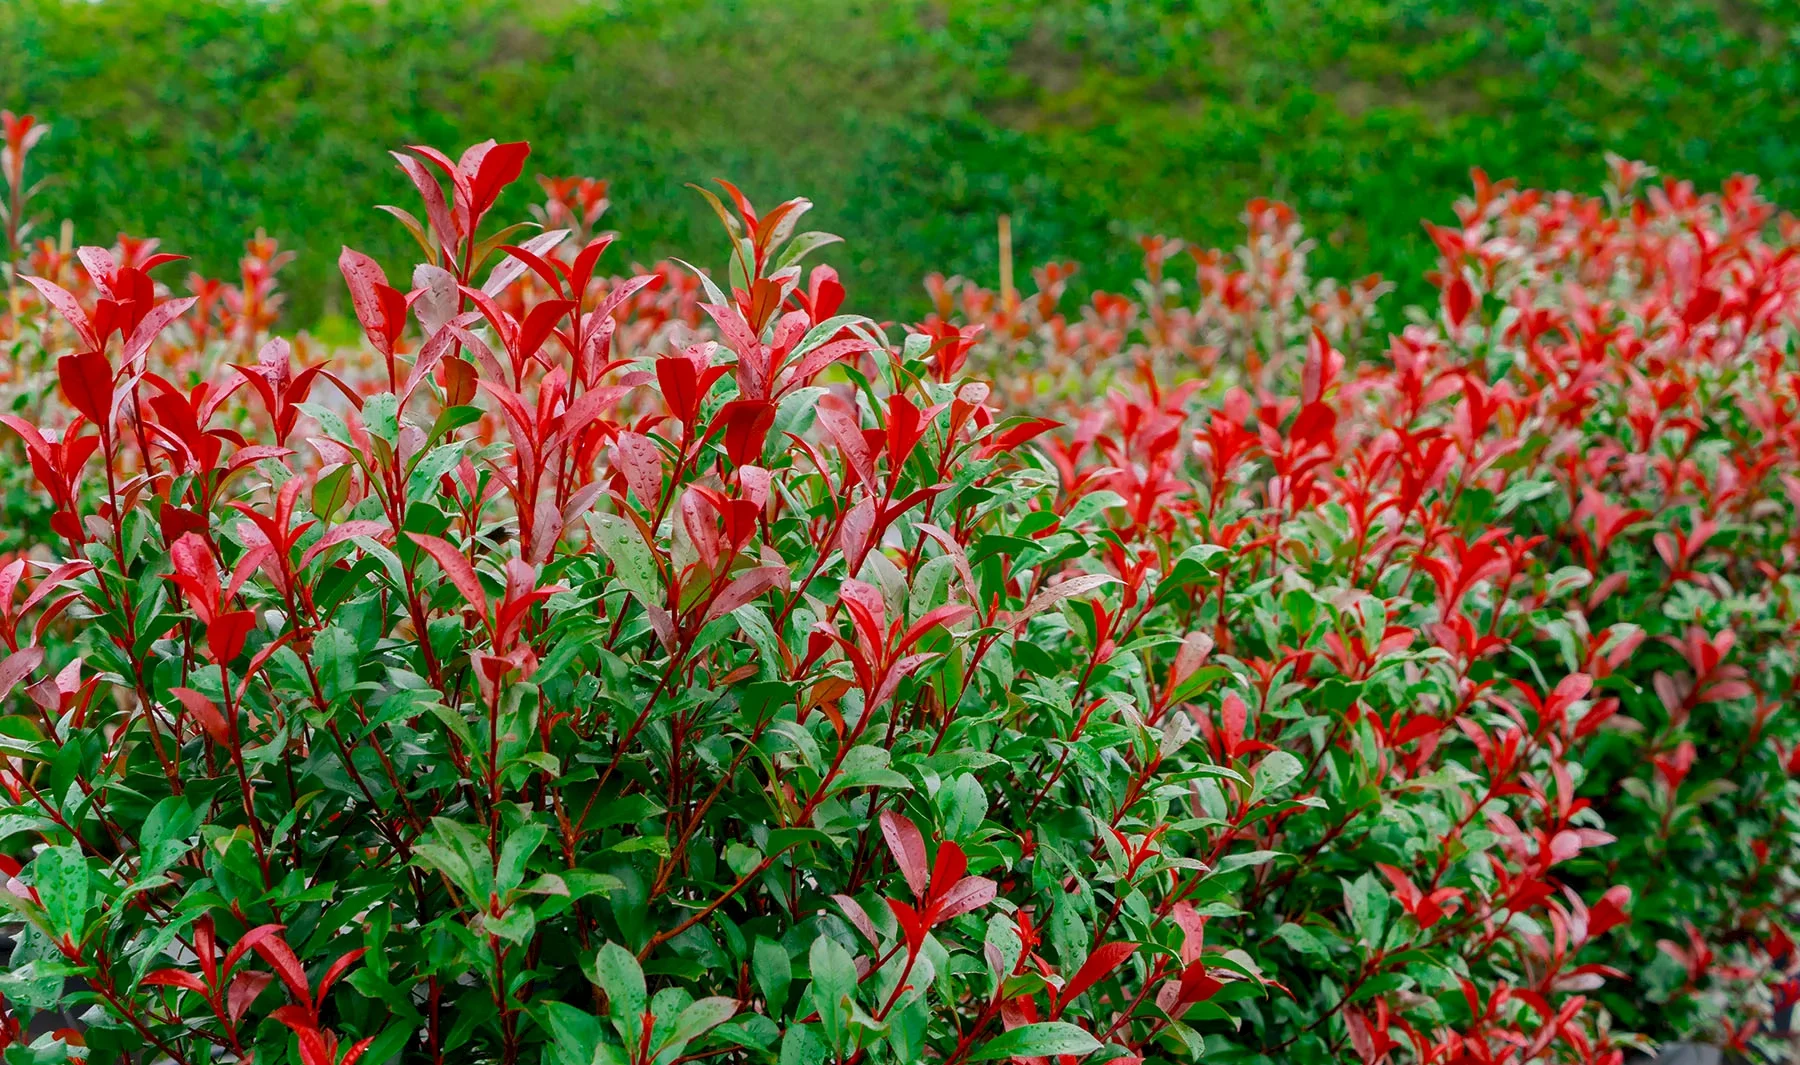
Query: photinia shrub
{"points": [[1595, 432], [654, 667]]}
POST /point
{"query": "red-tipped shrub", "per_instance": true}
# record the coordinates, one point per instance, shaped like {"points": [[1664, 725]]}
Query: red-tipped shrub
{"points": [[655, 668]]}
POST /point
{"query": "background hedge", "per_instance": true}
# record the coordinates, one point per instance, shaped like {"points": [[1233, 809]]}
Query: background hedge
{"points": [[911, 124]]}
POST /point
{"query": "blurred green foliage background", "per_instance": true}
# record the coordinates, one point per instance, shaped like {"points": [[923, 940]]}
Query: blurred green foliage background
{"points": [[911, 124]]}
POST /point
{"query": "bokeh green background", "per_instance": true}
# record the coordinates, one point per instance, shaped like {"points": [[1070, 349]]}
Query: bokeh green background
{"points": [[910, 124]]}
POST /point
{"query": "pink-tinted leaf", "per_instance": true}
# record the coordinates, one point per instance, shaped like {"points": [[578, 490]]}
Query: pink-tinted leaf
{"points": [[840, 420], [1098, 966], [248, 942], [338, 969], [1066, 589], [527, 255], [908, 848], [970, 893], [338, 534], [858, 918], [735, 331], [456, 567], [174, 978], [947, 615], [1017, 436], [152, 326], [641, 461], [206, 712], [747, 587], [437, 211], [66, 305], [245, 987], [274, 950], [17, 667], [356, 1051], [379, 308]]}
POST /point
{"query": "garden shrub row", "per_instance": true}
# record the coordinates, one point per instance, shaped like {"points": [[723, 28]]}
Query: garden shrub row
{"points": [[647, 667]]}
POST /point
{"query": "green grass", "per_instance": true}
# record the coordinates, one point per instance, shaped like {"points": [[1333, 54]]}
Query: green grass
{"points": [[910, 124]]}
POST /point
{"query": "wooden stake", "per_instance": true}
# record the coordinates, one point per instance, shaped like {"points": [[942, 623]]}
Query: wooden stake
{"points": [[1009, 298]]}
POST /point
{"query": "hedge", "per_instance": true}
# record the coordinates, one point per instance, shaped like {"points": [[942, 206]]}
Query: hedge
{"points": [[912, 124]]}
